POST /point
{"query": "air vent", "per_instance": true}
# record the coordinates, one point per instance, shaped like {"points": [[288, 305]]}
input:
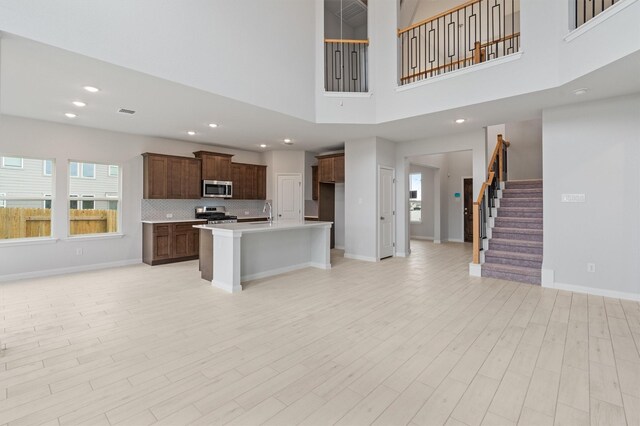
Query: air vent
{"points": [[126, 111]]}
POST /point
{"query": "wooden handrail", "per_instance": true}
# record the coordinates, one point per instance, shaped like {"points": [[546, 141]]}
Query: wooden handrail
{"points": [[500, 40], [338, 40], [440, 15], [497, 153], [463, 60], [434, 69]]}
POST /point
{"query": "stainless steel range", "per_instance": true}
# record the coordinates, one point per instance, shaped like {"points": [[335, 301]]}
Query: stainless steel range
{"points": [[215, 215]]}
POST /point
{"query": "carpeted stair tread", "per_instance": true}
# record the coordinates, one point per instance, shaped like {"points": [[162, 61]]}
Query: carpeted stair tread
{"points": [[522, 193], [524, 184], [514, 255], [519, 222], [517, 230], [511, 269], [521, 243]]}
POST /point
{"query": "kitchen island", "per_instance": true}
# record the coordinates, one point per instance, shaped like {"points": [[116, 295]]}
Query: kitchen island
{"points": [[235, 252]]}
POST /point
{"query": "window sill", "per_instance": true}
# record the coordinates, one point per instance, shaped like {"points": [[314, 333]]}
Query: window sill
{"points": [[28, 241], [91, 237]]}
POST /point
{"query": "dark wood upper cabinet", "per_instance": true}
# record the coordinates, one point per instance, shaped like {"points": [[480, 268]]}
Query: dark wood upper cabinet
{"points": [[155, 176], [331, 168], [249, 181], [171, 177], [175, 171], [192, 178], [215, 166], [261, 181], [237, 171], [314, 183]]}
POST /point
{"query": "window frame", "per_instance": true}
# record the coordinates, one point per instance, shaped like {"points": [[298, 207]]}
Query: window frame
{"points": [[415, 200], [82, 198], [117, 174], [95, 170], [80, 169], [5, 166], [39, 201], [44, 168]]}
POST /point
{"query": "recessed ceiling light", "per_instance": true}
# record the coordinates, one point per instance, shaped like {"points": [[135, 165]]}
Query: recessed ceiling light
{"points": [[70, 115], [213, 125], [580, 91], [191, 133], [262, 145], [287, 140], [91, 89], [460, 120], [79, 104]]}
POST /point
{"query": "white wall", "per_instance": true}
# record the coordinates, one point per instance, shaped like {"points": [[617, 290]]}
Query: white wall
{"points": [[525, 152], [474, 141], [460, 166], [256, 51], [360, 199], [339, 218], [32, 138], [450, 169], [283, 162], [593, 149], [425, 229]]}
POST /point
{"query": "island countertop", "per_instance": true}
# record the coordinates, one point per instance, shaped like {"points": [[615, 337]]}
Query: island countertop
{"points": [[251, 227]]}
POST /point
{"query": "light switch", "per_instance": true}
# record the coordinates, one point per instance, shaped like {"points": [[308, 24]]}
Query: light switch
{"points": [[573, 198]]}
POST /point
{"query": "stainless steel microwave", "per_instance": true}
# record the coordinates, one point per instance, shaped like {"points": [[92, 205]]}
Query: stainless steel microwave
{"points": [[217, 189]]}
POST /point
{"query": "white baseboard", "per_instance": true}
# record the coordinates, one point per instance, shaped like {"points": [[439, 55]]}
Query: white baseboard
{"points": [[454, 240], [437, 241], [401, 254], [69, 270], [548, 281], [419, 237], [278, 271], [475, 269], [358, 257], [595, 291], [226, 287], [339, 247]]}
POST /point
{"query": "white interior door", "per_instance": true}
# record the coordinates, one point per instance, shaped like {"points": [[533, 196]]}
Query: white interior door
{"points": [[289, 197], [386, 210]]}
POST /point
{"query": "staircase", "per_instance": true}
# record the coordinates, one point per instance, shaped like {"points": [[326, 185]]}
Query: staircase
{"points": [[515, 241]]}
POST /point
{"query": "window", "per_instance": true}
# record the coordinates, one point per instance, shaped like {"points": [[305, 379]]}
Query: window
{"points": [[47, 167], [94, 200], [13, 162], [25, 198], [88, 170], [415, 197], [83, 170]]}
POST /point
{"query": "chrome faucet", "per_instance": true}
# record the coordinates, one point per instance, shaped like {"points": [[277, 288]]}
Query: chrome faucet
{"points": [[264, 209]]}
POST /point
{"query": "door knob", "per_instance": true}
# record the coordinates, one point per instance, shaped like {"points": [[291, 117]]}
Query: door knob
{"points": [[381, 217]]}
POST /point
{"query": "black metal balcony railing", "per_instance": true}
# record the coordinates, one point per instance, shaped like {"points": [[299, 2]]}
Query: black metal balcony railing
{"points": [[474, 32], [345, 65], [589, 9]]}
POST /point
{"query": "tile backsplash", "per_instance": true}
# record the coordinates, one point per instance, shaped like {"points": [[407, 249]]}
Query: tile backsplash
{"points": [[185, 209]]}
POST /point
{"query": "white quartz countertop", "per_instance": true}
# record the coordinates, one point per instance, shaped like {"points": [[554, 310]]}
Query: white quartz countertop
{"points": [[248, 227], [174, 221]]}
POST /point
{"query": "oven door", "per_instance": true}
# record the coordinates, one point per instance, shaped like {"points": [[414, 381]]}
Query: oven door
{"points": [[217, 189]]}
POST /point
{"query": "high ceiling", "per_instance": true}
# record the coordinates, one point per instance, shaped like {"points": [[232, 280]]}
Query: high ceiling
{"points": [[39, 81]]}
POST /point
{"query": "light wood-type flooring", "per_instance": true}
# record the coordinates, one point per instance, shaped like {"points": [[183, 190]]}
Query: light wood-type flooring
{"points": [[404, 341]]}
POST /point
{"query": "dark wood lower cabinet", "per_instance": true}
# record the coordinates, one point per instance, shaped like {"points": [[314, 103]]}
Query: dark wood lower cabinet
{"points": [[170, 242]]}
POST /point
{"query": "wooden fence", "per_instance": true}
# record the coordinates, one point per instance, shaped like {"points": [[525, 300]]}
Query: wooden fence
{"points": [[29, 222]]}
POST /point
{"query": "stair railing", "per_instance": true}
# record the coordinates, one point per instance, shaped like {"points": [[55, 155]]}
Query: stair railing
{"points": [[482, 207], [473, 32], [345, 65], [586, 10]]}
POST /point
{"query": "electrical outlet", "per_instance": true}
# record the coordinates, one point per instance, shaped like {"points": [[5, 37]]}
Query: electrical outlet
{"points": [[247, 213], [78, 252], [169, 215], [591, 267]]}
